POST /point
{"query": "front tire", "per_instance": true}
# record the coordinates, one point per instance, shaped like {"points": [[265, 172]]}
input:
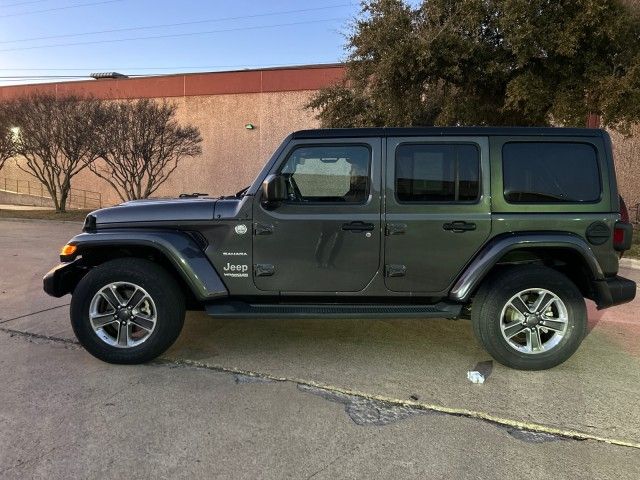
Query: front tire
{"points": [[127, 311], [529, 317]]}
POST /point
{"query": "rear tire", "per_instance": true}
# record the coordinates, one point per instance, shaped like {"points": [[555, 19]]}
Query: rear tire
{"points": [[127, 311], [519, 334]]}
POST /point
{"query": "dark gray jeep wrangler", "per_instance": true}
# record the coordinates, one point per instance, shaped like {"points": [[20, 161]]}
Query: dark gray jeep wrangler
{"points": [[511, 227]]}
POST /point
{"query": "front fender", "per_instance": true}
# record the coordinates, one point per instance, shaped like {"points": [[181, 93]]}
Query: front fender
{"points": [[484, 261], [179, 248]]}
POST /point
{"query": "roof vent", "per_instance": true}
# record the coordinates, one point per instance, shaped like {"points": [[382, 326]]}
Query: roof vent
{"points": [[104, 75]]}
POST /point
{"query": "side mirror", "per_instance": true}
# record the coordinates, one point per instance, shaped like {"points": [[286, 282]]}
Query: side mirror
{"points": [[274, 189]]}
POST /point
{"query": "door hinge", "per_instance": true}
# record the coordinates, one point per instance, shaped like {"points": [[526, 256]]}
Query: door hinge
{"points": [[395, 229], [395, 270], [263, 269], [262, 229]]}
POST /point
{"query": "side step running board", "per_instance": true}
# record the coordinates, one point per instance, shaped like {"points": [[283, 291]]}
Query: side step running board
{"points": [[234, 309]]}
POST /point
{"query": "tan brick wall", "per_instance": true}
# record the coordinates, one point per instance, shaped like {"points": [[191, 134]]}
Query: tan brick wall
{"points": [[232, 155]]}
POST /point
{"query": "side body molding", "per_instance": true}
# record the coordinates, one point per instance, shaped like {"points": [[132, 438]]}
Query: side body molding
{"points": [[491, 253], [179, 248]]}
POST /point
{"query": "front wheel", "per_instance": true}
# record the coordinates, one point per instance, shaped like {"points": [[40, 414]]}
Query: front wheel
{"points": [[127, 311], [529, 317]]}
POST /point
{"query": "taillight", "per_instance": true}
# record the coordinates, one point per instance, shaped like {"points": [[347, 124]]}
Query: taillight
{"points": [[618, 236], [623, 230]]}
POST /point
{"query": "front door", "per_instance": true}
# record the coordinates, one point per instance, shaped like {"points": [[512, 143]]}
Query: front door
{"points": [[438, 210], [326, 236]]}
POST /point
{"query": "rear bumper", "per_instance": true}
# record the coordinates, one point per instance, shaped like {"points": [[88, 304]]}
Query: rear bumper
{"points": [[63, 279], [614, 291]]}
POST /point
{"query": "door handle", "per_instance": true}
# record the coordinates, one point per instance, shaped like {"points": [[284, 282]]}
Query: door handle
{"points": [[262, 229], [358, 226], [459, 226]]}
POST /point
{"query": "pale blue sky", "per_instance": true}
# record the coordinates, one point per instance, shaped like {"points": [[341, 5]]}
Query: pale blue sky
{"points": [[240, 34]]}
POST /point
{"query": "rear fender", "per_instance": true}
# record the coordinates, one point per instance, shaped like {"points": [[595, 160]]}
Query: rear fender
{"points": [[497, 248]]}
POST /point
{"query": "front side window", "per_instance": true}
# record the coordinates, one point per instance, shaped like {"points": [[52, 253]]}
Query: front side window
{"points": [[437, 172], [550, 172], [338, 174]]}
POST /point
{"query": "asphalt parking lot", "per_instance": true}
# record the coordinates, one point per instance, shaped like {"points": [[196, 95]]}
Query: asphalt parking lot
{"points": [[302, 399]]}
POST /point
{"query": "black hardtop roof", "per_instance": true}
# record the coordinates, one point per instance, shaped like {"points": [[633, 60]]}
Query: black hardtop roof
{"points": [[448, 131]]}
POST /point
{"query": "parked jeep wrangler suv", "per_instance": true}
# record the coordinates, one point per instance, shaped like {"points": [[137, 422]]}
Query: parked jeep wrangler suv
{"points": [[512, 227]]}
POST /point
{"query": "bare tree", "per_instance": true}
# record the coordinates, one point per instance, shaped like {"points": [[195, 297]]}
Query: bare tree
{"points": [[626, 150], [7, 137], [56, 138], [141, 146]]}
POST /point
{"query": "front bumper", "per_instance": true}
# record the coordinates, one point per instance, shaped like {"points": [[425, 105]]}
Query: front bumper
{"points": [[614, 291], [63, 279]]}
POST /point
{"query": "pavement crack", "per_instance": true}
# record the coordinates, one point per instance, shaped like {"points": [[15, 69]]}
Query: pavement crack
{"points": [[48, 338], [373, 408], [511, 425], [364, 411], [32, 313], [336, 458]]}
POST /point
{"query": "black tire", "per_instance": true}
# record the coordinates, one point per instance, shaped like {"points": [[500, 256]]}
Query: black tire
{"points": [[161, 287], [502, 285]]}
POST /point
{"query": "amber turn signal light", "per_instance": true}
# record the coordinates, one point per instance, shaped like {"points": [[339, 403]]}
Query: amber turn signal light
{"points": [[68, 250]]}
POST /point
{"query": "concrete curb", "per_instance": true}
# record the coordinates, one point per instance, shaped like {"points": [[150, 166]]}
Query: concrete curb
{"points": [[630, 263]]}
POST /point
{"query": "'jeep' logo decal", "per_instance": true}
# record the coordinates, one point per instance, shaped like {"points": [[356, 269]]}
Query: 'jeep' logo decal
{"points": [[231, 270]]}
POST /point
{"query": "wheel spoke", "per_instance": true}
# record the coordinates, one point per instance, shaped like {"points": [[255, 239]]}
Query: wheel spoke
{"points": [[123, 334], [557, 325], [99, 320], [142, 322], [136, 298], [111, 297], [519, 305], [513, 329], [534, 343], [543, 302]]}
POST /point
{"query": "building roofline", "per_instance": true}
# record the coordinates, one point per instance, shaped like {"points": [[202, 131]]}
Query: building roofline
{"points": [[259, 80]]}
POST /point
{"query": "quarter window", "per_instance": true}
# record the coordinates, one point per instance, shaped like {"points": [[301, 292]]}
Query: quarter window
{"points": [[327, 174], [437, 172], [550, 172]]}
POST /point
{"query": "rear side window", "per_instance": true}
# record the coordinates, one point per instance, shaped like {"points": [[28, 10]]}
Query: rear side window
{"points": [[551, 172], [437, 172]]}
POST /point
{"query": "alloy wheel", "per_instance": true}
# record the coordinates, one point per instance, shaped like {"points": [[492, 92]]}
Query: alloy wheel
{"points": [[123, 314]]}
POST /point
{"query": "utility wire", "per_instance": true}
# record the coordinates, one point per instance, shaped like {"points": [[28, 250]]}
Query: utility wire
{"points": [[27, 77], [68, 7], [183, 68], [128, 75], [173, 35], [23, 3], [179, 24]]}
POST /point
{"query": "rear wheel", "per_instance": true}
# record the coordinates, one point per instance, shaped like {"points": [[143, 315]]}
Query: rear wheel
{"points": [[127, 311], [529, 317]]}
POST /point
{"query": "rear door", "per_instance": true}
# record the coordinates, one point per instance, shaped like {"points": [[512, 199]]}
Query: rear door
{"points": [[437, 209]]}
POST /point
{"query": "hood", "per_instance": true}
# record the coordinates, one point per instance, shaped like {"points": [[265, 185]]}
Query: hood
{"points": [[158, 210]]}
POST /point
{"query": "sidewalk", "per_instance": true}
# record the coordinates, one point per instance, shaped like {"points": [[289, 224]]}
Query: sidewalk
{"points": [[4, 206]]}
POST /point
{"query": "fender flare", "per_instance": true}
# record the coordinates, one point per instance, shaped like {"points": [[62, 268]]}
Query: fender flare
{"points": [[493, 251], [179, 248]]}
